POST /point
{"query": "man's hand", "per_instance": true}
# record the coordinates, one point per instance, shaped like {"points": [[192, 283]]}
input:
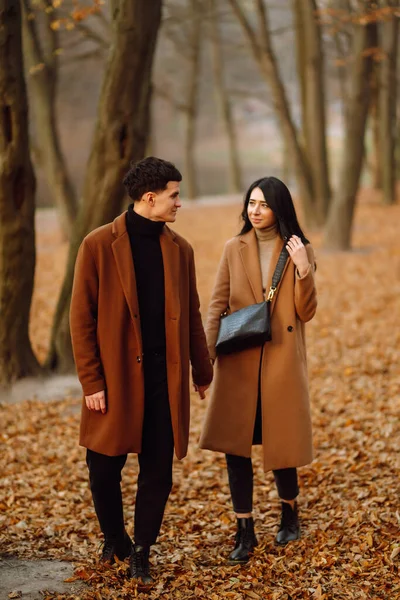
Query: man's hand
{"points": [[201, 390], [97, 401]]}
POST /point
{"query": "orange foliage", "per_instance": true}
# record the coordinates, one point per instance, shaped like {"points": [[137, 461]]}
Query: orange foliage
{"points": [[349, 501]]}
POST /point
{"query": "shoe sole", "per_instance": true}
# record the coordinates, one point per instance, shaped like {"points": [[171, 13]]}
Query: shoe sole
{"points": [[140, 580], [286, 543]]}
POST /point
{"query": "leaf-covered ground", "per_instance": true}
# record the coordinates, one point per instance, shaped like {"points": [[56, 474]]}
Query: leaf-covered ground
{"points": [[349, 503]]}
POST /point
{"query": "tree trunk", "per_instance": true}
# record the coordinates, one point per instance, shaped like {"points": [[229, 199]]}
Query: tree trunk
{"points": [[192, 100], [388, 105], [266, 60], [235, 177], [43, 84], [287, 169], [340, 219], [374, 162], [17, 205], [120, 136], [342, 40], [301, 64], [397, 151], [315, 118]]}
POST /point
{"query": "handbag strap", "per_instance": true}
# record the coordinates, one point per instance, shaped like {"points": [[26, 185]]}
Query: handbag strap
{"points": [[277, 276]]}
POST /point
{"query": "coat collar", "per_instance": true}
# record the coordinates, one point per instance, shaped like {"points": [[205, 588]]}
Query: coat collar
{"points": [[119, 227], [171, 260], [251, 263], [122, 252]]}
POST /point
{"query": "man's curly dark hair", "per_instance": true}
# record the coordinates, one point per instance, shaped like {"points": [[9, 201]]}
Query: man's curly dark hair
{"points": [[149, 175]]}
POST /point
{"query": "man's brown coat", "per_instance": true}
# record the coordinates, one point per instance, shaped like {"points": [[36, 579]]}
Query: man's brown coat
{"points": [[106, 336]]}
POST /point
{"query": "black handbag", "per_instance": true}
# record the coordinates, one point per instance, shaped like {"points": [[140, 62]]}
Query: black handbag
{"points": [[250, 326]]}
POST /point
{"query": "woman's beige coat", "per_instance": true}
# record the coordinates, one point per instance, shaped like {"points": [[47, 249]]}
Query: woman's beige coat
{"points": [[286, 423]]}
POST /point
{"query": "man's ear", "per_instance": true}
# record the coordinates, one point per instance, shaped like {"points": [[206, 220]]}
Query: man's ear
{"points": [[149, 198]]}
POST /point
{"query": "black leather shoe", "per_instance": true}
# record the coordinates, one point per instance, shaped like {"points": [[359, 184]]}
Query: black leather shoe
{"points": [[114, 546], [289, 529], [245, 542], [139, 564]]}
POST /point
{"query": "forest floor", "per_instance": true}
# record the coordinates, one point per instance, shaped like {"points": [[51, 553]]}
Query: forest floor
{"points": [[349, 502]]}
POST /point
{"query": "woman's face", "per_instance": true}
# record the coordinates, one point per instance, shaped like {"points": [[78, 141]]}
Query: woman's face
{"points": [[260, 214]]}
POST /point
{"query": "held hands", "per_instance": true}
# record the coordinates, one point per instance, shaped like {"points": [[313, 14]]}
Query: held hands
{"points": [[97, 402], [201, 390], [298, 254]]}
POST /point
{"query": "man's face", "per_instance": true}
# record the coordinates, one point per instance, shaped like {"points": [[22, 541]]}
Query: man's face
{"points": [[165, 204]]}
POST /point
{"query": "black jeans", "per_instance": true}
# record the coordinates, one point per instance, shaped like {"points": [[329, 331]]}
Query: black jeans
{"points": [[155, 464], [240, 474]]}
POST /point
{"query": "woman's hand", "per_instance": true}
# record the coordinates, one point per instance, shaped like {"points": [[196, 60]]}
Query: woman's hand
{"points": [[298, 254], [201, 390]]}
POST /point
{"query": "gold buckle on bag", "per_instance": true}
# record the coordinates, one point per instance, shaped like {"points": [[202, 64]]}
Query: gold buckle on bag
{"points": [[271, 293]]}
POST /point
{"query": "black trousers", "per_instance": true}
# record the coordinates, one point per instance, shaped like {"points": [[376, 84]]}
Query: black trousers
{"points": [[240, 475], [155, 464]]}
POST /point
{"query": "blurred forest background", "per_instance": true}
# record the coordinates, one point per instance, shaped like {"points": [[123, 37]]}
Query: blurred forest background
{"points": [[228, 89]]}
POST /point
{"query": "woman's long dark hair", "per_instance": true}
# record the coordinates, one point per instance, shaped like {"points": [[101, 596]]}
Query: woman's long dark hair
{"points": [[279, 199]]}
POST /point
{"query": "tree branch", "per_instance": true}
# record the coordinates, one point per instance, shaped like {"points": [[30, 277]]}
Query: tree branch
{"points": [[97, 53], [162, 93], [247, 28], [93, 35]]}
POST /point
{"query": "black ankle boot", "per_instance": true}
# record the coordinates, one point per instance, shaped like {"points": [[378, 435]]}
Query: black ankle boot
{"points": [[245, 540], [139, 564], [116, 546], [289, 529]]}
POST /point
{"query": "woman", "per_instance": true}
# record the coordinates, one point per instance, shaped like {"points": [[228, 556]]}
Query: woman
{"points": [[260, 395]]}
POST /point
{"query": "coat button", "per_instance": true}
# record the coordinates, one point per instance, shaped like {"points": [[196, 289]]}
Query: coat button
{"points": [[135, 316], [290, 328], [138, 359]]}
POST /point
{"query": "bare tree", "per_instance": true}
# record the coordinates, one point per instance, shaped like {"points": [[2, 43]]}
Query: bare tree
{"points": [[121, 134], [340, 219], [184, 30], [194, 63], [336, 14], [42, 65], [261, 47], [17, 204], [314, 118], [223, 99], [373, 160], [389, 33]]}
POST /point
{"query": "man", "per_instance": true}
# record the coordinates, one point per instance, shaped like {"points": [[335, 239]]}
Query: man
{"points": [[135, 324]]}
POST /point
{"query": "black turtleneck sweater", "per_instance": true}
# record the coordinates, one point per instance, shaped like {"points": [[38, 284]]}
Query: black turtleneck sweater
{"points": [[144, 236]]}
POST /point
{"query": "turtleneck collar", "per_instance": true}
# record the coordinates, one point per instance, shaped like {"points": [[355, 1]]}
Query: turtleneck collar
{"points": [[139, 225], [269, 233]]}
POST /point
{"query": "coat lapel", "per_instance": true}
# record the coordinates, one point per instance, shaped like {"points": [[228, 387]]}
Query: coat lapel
{"points": [[121, 248], [171, 259], [251, 263], [274, 259]]}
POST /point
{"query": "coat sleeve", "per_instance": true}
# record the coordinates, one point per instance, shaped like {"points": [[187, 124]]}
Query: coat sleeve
{"points": [[218, 304], [202, 369], [83, 322], [305, 293]]}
